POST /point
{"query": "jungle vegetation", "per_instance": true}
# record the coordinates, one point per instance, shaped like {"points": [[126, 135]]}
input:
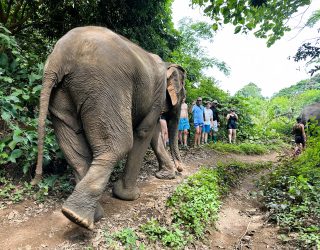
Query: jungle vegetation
{"points": [[29, 29]]}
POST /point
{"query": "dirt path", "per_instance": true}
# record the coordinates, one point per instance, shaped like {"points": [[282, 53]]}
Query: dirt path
{"points": [[30, 225], [241, 223]]}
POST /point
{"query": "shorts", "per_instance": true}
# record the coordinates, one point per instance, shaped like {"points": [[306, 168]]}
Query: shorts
{"points": [[183, 124], [215, 126], [232, 126], [206, 128], [198, 124], [299, 139]]}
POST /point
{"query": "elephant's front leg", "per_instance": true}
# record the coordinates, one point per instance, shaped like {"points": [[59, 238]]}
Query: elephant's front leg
{"points": [[126, 187], [166, 166]]}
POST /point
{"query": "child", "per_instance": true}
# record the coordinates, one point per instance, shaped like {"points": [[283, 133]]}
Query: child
{"points": [[208, 120]]}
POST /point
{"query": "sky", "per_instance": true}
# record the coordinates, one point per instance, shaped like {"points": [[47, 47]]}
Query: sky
{"points": [[249, 57]]}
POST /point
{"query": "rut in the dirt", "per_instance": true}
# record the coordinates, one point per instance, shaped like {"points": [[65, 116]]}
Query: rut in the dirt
{"points": [[241, 223]]}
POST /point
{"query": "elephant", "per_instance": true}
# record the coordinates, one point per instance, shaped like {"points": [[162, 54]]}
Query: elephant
{"points": [[310, 112], [105, 95]]}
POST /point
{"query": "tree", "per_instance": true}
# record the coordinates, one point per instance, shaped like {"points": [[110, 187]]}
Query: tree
{"points": [[250, 90], [268, 19], [310, 51], [191, 55], [41, 20], [300, 87]]}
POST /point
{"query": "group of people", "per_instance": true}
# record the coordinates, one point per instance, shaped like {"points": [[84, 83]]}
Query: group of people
{"points": [[205, 121]]}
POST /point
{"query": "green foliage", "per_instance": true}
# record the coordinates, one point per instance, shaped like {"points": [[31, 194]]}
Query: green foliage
{"points": [[229, 174], [250, 90], [123, 239], [128, 238], [10, 191], [172, 237], [19, 95], [242, 148], [207, 89], [195, 203], [268, 19], [47, 20], [291, 193], [191, 55], [299, 88]]}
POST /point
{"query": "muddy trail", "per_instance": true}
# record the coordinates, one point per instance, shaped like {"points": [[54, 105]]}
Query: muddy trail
{"points": [[241, 224]]}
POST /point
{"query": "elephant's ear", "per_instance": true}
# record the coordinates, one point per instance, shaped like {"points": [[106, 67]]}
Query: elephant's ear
{"points": [[175, 82]]}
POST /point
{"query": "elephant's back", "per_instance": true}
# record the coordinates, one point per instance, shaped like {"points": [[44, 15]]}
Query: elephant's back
{"points": [[311, 111], [98, 45], [96, 60]]}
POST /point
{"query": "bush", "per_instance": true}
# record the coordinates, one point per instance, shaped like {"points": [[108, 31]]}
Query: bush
{"points": [[242, 148], [20, 82], [292, 194]]}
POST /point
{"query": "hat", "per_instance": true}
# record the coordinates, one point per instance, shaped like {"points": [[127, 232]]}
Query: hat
{"points": [[215, 101]]}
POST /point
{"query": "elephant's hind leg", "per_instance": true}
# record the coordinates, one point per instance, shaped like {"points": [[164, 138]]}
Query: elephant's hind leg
{"points": [[77, 153], [108, 147]]}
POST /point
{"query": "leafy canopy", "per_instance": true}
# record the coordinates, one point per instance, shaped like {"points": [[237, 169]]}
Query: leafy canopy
{"points": [[250, 90], [268, 19]]}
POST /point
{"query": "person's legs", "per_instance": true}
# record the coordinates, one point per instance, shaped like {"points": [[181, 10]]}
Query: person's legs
{"points": [[180, 136], [200, 131], [202, 137], [164, 131], [185, 137], [214, 131], [206, 130], [214, 136], [196, 135], [229, 135], [234, 135]]}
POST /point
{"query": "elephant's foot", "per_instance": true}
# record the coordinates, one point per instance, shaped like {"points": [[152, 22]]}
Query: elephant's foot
{"points": [[76, 218], [165, 174], [82, 209], [98, 213], [179, 165], [128, 194]]}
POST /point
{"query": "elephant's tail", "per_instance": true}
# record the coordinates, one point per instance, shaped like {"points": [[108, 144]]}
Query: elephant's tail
{"points": [[50, 79]]}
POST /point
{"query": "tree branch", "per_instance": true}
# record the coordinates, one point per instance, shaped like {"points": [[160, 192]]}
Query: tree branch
{"points": [[8, 11]]}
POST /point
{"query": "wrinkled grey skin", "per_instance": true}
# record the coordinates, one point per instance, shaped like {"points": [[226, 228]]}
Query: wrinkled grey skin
{"points": [[105, 95], [311, 112]]}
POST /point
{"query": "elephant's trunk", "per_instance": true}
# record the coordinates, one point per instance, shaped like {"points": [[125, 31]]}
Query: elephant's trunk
{"points": [[173, 140], [48, 83]]}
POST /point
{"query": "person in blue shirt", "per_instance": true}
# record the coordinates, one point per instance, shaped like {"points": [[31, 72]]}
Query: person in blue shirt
{"points": [[198, 120]]}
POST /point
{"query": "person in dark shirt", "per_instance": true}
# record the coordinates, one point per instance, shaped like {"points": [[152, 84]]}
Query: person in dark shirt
{"points": [[232, 119], [216, 121], [299, 136]]}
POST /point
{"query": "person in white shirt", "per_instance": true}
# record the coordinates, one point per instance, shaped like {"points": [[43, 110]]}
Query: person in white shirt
{"points": [[208, 120]]}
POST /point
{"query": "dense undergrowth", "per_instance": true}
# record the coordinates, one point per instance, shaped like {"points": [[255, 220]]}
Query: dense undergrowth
{"points": [[193, 207], [292, 194], [246, 148]]}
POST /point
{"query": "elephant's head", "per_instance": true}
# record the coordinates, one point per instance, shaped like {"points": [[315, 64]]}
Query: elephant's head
{"points": [[175, 85], [176, 92]]}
